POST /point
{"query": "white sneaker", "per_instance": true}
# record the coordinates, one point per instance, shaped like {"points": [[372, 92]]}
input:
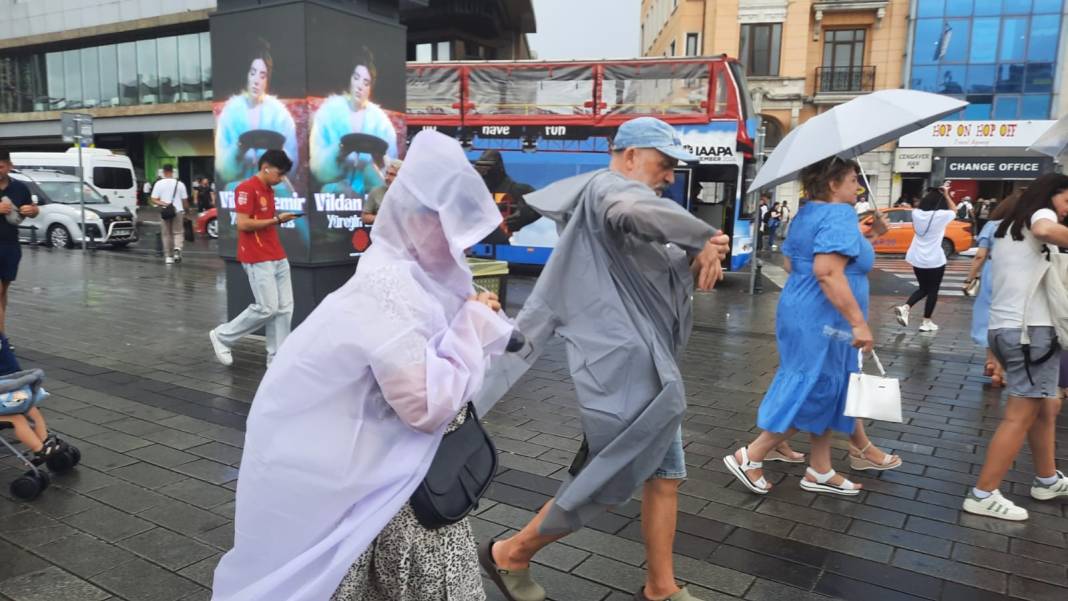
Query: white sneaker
{"points": [[222, 352], [1041, 492], [169, 261], [994, 506], [902, 315], [928, 326]]}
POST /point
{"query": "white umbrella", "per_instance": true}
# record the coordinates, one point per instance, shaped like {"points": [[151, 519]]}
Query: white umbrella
{"points": [[853, 128], [1055, 141]]}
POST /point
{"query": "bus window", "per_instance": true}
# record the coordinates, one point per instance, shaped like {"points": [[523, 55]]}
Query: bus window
{"points": [[743, 90], [560, 91], [433, 91], [656, 88]]}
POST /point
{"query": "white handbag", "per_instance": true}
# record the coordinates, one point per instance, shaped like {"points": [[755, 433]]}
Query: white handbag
{"points": [[873, 397]]}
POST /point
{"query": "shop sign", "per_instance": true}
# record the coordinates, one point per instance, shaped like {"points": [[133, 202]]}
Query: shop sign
{"points": [[955, 134], [913, 160], [997, 167]]}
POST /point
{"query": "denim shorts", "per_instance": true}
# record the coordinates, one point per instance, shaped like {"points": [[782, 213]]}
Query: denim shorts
{"points": [[1043, 380], [674, 465]]}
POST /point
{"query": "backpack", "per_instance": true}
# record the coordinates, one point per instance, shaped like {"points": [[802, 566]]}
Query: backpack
{"points": [[962, 212], [1055, 276]]}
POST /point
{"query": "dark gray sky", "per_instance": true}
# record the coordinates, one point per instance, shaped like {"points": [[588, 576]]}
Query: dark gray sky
{"points": [[572, 29]]}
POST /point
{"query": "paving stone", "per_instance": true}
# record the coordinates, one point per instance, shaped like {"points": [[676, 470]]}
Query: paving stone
{"points": [[950, 570], [765, 590], [84, 555], [118, 441], [108, 523], [840, 587], [203, 571], [611, 573], [16, 563], [209, 471], [842, 543], [197, 492], [217, 451], [183, 517], [162, 455], [141, 580], [901, 538], [147, 475], [170, 550], [221, 537], [51, 584], [175, 438], [127, 497], [30, 529]]}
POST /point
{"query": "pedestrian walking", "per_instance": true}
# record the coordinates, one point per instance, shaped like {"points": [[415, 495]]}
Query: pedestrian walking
{"points": [[1028, 230], [784, 217], [936, 211], [16, 204], [373, 203], [205, 196], [618, 288], [170, 195], [821, 318], [980, 270], [348, 420], [264, 260], [774, 221]]}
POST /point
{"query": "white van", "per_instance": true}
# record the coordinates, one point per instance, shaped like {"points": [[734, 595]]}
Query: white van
{"points": [[112, 173]]}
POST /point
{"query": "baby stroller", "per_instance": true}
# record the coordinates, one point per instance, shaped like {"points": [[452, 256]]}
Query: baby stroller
{"points": [[20, 393]]}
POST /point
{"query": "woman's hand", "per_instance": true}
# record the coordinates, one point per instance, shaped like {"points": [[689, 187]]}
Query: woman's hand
{"points": [[487, 298], [862, 337], [879, 225]]}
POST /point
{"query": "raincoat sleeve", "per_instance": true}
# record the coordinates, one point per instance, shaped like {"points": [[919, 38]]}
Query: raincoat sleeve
{"points": [[656, 219], [427, 379]]}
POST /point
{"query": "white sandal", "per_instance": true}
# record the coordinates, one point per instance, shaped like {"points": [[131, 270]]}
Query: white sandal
{"points": [[739, 470], [859, 462], [822, 484]]}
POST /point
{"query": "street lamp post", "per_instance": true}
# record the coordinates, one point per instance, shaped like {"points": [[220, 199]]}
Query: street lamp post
{"points": [[754, 201]]}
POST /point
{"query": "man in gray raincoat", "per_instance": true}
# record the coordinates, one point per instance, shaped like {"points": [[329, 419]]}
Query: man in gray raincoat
{"points": [[618, 289]]}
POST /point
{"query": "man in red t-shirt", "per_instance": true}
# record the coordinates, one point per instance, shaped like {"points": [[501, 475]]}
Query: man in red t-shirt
{"points": [[264, 260]]}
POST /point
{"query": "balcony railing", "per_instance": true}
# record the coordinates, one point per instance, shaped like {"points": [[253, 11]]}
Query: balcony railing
{"points": [[845, 80]]}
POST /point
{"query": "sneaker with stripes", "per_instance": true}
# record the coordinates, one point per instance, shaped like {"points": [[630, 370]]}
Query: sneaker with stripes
{"points": [[994, 506], [1043, 492]]}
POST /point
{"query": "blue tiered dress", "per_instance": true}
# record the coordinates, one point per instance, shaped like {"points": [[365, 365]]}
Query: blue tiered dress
{"points": [[815, 354]]}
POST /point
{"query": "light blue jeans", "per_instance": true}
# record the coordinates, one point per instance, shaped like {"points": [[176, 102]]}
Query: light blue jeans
{"points": [[273, 309]]}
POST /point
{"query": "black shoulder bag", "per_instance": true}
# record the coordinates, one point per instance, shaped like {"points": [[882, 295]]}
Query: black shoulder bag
{"points": [[169, 212], [459, 475]]}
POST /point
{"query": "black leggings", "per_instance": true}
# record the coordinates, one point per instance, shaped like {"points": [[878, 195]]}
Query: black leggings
{"points": [[930, 281]]}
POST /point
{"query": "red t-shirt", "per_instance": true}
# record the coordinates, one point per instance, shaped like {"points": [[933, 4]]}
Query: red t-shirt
{"points": [[255, 199]]}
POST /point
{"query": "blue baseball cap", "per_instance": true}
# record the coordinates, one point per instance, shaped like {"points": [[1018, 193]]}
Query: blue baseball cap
{"points": [[650, 132]]}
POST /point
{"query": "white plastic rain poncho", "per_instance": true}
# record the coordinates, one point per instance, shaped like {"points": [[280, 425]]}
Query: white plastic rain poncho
{"points": [[618, 290], [348, 418]]}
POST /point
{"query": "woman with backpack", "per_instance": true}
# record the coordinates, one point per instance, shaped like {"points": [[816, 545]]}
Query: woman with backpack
{"points": [[936, 211], [1025, 246]]}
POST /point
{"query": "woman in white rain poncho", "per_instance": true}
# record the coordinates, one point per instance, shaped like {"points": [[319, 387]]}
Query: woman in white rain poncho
{"points": [[348, 418]]}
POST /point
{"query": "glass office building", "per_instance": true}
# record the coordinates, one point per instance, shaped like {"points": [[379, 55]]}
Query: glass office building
{"points": [[151, 71], [999, 55]]}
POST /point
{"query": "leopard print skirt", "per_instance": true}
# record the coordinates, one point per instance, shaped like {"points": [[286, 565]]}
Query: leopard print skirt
{"points": [[407, 562]]}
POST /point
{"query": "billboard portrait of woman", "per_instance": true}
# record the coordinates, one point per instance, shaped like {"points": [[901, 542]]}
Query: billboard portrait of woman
{"points": [[251, 123], [352, 137]]}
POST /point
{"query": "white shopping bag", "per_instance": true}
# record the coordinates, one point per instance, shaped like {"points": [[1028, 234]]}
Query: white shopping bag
{"points": [[873, 397]]}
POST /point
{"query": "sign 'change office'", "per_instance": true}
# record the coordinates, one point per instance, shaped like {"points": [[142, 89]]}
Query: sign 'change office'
{"points": [[997, 167]]}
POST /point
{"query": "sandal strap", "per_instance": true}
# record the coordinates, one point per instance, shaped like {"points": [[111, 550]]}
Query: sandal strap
{"points": [[821, 478], [747, 464]]}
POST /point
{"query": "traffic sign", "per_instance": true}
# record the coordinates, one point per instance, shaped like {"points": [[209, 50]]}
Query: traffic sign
{"points": [[77, 126]]}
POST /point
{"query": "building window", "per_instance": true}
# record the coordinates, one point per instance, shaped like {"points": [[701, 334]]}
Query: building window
{"points": [[998, 55], [671, 48], [760, 46], [692, 48], [843, 48], [428, 52]]}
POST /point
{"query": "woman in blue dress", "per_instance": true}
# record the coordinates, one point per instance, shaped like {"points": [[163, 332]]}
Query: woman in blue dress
{"points": [[821, 321], [981, 308]]}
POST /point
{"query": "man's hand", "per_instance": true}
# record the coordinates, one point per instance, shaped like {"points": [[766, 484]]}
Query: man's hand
{"points": [[707, 266], [29, 210], [487, 298], [286, 217], [6, 206]]}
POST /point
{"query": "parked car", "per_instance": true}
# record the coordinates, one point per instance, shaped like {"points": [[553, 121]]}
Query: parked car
{"points": [[208, 223], [59, 220], [958, 238]]}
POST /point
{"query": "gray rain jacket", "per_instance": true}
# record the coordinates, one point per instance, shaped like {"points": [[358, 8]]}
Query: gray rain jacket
{"points": [[618, 290]]}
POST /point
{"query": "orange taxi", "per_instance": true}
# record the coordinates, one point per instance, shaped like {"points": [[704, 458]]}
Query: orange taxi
{"points": [[958, 235]]}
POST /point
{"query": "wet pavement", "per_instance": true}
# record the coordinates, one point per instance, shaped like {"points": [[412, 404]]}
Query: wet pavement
{"points": [[149, 511]]}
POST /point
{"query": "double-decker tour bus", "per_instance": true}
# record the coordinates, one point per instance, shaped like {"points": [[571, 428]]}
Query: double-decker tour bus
{"points": [[552, 120]]}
